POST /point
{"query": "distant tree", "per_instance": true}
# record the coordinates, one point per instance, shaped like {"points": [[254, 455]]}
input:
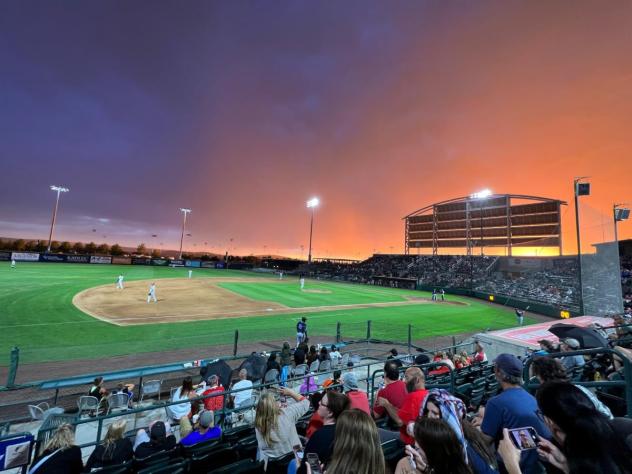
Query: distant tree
{"points": [[40, 246], [155, 253], [116, 250], [103, 249], [54, 246], [141, 249], [65, 247], [91, 248], [29, 246], [3, 245], [78, 248], [19, 245]]}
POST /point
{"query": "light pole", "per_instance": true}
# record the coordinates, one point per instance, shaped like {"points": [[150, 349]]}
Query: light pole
{"points": [[184, 211], [580, 189], [620, 214], [311, 204], [59, 190], [481, 196]]}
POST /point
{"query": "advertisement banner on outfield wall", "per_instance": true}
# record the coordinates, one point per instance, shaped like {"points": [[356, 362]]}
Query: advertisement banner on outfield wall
{"points": [[141, 261], [192, 263], [160, 262], [121, 260], [4, 256], [45, 257], [219, 265], [97, 259], [177, 262], [77, 259], [25, 256], [208, 264]]}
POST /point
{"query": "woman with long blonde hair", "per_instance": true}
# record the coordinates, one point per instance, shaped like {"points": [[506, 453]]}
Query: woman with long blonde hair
{"points": [[115, 449], [61, 454], [275, 426], [357, 449]]}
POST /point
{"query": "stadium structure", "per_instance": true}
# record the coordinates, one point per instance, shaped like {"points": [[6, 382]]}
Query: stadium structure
{"points": [[486, 220]]}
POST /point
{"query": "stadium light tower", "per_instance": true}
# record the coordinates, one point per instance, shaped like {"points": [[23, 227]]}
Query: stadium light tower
{"points": [[580, 189], [184, 211], [481, 196], [58, 190], [311, 204], [619, 213]]}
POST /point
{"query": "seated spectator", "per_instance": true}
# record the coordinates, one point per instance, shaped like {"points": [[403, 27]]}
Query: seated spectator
{"points": [[214, 387], [465, 358], [436, 450], [61, 455], [115, 449], [421, 359], [441, 369], [323, 355], [441, 404], [357, 448], [548, 369], [126, 388], [332, 405], [334, 382], [357, 397], [272, 363], [394, 390], [395, 357], [308, 386], [569, 362], [275, 427], [479, 353], [159, 439], [98, 390], [335, 355], [245, 389], [312, 355], [405, 417], [299, 356], [590, 443], [514, 407], [286, 354], [315, 422], [184, 393], [204, 431], [546, 347]]}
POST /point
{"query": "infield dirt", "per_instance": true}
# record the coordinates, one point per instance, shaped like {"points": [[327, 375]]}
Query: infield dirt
{"points": [[183, 299]]}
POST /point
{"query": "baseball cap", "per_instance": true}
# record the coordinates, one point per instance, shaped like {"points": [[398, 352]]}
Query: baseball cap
{"points": [[349, 381], [206, 418], [509, 364], [572, 343]]}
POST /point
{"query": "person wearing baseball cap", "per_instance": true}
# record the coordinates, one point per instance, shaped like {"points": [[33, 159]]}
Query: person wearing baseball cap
{"points": [[514, 407], [570, 362], [204, 431]]}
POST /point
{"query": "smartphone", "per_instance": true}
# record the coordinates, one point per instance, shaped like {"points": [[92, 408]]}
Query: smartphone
{"points": [[524, 438], [298, 453], [314, 463]]}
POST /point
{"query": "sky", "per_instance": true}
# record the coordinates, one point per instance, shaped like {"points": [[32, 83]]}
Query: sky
{"points": [[243, 110]]}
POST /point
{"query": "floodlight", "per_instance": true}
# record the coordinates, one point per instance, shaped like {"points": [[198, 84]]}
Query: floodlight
{"points": [[481, 194], [184, 211], [313, 202]]}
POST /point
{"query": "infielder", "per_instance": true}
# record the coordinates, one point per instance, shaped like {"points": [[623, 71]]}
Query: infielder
{"points": [[152, 293], [12, 263], [301, 280], [190, 273], [119, 282], [280, 275]]}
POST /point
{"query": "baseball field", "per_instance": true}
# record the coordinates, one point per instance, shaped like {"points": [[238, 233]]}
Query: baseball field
{"points": [[71, 311]]}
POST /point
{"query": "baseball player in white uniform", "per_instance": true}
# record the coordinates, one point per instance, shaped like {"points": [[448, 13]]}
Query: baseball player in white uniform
{"points": [[152, 293], [119, 282], [190, 273], [12, 263]]}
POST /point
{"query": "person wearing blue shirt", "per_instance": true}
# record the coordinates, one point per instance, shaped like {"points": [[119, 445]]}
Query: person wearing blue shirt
{"points": [[205, 430], [513, 408]]}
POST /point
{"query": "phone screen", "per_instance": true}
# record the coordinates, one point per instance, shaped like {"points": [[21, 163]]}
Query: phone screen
{"points": [[524, 438], [298, 452], [314, 463]]}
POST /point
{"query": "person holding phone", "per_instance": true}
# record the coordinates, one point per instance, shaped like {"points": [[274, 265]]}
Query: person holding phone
{"points": [[275, 427]]}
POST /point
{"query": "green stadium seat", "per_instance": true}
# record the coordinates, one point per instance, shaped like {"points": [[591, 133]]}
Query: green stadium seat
{"points": [[212, 459], [245, 466], [172, 466]]}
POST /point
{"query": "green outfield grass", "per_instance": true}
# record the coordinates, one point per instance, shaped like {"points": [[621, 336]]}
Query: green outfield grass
{"points": [[37, 314]]}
